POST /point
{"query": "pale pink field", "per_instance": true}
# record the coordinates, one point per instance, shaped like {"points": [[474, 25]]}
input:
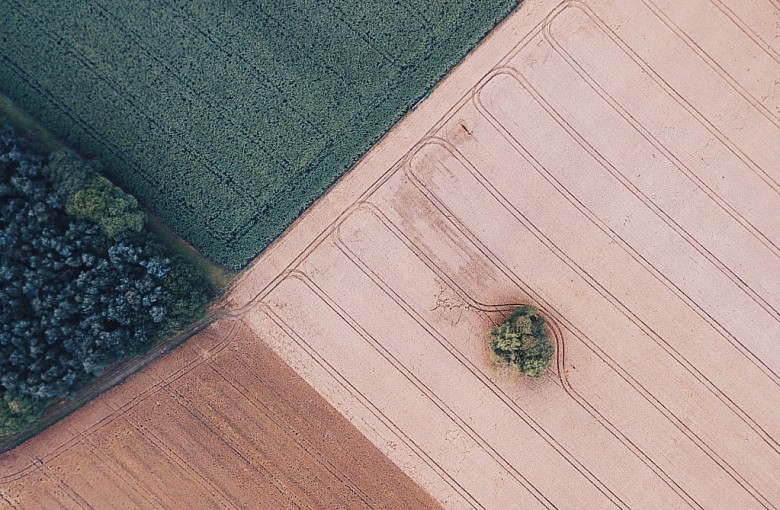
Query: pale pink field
{"points": [[616, 163]]}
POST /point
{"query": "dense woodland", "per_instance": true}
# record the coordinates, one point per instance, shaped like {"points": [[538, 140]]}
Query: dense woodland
{"points": [[82, 283]]}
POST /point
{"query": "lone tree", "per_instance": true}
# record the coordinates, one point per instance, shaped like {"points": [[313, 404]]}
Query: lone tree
{"points": [[521, 340]]}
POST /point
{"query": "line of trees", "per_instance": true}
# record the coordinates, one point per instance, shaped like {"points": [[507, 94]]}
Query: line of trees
{"points": [[82, 283]]}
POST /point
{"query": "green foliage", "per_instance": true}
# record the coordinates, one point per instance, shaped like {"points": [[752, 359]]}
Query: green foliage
{"points": [[69, 173], [18, 412], [75, 300], [108, 206], [229, 137], [185, 294], [521, 340], [90, 196]]}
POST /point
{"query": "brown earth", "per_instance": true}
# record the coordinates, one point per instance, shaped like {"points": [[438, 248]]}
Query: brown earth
{"points": [[614, 163], [221, 422]]}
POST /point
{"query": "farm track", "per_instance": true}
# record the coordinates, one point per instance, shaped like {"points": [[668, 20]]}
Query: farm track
{"points": [[606, 161]]}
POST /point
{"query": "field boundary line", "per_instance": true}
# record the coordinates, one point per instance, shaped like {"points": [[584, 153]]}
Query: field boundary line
{"points": [[123, 409], [131, 100], [358, 395], [369, 188], [372, 105], [94, 68], [409, 376], [83, 125], [78, 121]]}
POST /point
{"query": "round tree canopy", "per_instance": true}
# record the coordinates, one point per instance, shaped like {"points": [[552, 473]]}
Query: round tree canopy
{"points": [[522, 340]]}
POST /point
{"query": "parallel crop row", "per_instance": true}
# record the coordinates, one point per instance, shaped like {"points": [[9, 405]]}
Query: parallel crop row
{"points": [[228, 119]]}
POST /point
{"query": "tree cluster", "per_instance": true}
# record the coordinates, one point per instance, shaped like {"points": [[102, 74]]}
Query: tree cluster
{"points": [[522, 341], [82, 283]]}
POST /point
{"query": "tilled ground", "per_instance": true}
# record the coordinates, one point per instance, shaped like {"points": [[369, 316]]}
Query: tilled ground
{"points": [[221, 422]]}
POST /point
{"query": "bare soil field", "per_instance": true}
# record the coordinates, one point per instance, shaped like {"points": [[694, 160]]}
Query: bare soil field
{"points": [[221, 422], [613, 162]]}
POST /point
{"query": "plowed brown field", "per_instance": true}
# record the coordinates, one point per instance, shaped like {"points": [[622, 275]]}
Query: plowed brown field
{"points": [[221, 422], [614, 162]]}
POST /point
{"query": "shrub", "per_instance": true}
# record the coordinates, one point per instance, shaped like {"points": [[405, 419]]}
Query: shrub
{"points": [[90, 196], [522, 341], [18, 412], [106, 205]]}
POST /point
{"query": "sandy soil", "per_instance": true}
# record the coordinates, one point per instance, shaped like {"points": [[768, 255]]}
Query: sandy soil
{"points": [[613, 162], [221, 422]]}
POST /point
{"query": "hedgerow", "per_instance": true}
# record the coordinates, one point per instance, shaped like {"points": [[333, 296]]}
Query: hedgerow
{"points": [[228, 119]]}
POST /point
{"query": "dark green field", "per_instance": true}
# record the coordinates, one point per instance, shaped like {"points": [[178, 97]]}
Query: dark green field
{"points": [[229, 118]]}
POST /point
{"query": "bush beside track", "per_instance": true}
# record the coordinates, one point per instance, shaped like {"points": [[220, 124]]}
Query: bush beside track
{"points": [[226, 120]]}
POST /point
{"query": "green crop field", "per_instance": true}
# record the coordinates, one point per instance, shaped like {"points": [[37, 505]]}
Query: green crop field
{"points": [[228, 118]]}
